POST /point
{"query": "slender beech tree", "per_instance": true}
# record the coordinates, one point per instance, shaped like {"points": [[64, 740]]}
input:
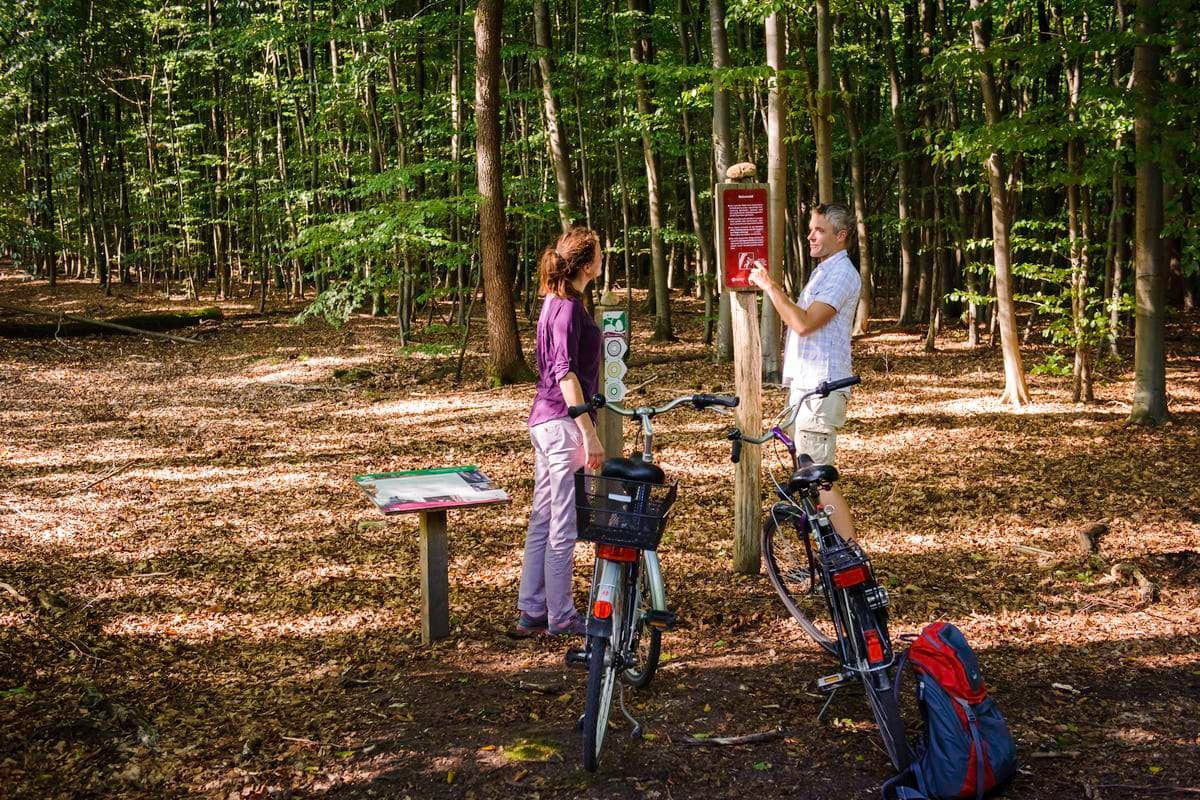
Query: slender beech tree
{"points": [[1015, 390], [507, 361], [722, 157], [824, 102], [560, 154], [641, 53], [1149, 357], [769, 325]]}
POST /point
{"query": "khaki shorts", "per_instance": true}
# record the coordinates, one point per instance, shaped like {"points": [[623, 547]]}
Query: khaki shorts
{"points": [[817, 424]]}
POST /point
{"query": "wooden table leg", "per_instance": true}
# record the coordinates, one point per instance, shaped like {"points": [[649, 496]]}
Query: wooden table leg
{"points": [[435, 577]]}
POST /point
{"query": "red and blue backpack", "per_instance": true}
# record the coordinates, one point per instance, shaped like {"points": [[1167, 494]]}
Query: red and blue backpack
{"points": [[966, 749]]}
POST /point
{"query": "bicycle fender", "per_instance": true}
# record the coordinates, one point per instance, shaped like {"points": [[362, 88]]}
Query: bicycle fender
{"points": [[658, 594], [599, 627]]}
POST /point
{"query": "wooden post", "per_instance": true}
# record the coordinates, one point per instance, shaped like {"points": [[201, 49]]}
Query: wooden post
{"points": [[435, 577], [747, 377], [747, 372], [608, 426]]}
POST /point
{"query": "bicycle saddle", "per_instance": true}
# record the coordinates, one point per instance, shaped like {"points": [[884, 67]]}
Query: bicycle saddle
{"points": [[807, 476], [632, 469]]}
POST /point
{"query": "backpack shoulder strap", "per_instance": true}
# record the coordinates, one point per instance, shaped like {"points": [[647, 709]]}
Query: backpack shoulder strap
{"points": [[978, 740]]}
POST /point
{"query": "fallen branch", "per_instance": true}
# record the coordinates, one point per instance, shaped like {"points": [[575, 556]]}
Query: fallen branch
{"points": [[537, 688], [667, 358], [1087, 540], [727, 741], [84, 322], [1105, 601], [1123, 572], [304, 387], [1057, 754], [115, 471], [20, 598], [1037, 551]]}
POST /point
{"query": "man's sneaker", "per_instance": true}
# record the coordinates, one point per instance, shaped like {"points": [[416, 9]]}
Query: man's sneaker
{"points": [[527, 627], [577, 626]]}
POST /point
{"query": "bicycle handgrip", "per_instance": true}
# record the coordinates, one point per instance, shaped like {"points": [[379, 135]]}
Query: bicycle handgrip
{"points": [[841, 383], [597, 401], [702, 401], [735, 439]]}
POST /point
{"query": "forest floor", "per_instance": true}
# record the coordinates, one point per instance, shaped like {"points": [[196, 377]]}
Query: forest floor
{"points": [[200, 602]]}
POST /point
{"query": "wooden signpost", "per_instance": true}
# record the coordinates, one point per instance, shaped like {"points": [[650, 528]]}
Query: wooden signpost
{"points": [[742, 239], [613, 320]]}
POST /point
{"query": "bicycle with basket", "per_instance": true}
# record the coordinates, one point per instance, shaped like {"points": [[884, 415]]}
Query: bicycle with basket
{"points": [[623, 512]]}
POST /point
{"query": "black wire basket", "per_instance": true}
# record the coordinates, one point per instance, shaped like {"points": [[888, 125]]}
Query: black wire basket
{"points": [[622, 512]]}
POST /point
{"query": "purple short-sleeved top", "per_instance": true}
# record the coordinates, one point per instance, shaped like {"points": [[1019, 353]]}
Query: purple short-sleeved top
{"points": [[568, 340]]}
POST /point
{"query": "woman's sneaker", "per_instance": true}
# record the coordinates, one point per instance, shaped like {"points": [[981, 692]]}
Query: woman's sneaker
{"points": [[527, 627], [577, 626]]}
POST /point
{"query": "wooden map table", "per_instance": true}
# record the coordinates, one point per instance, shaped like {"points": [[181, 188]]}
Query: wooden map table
{"points": [[430, 493]]}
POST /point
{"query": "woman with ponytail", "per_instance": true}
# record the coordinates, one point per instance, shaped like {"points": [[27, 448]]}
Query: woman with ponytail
{"points": [[568, 362]]}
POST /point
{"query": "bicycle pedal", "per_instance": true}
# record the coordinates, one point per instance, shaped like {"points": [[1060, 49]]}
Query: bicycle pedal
{"points": [[576, 657], [835, 681], [660, 620]]}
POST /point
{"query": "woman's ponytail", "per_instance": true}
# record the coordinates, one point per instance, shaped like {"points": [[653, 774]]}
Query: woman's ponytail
{"points": [[561, 262]]}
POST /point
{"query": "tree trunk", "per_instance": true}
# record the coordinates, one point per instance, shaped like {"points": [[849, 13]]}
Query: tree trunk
{"points": [[507, 361], [858, 170], [1015, 390], [560, 154], [704, 244], [824, 102], [722, 158], [1150, 380], [639, 51], [772, 365], [904, 169]]}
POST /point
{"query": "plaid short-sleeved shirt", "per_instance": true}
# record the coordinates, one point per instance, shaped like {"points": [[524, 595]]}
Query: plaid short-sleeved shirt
{"points": [[824, 354]]}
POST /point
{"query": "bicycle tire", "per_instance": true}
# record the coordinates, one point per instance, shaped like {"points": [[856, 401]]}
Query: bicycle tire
{"points": [[784, 555], [646, 641], [877, 685], [878, 688], [598, 702]]}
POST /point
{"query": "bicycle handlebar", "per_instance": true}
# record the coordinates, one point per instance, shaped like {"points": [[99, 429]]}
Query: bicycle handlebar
{"points": [[736, 437], [698, 401]]}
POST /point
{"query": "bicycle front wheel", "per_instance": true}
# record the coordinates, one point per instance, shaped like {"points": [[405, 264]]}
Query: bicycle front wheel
{"points": [[601, 679], [801, 592], [645, 641]]}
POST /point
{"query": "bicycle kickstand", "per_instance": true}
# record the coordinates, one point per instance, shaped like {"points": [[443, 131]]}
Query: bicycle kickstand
{"points": [[636, 733], [821, 713]]}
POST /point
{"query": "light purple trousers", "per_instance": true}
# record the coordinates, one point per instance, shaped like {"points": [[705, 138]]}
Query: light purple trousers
{"points": [[550, 541]]}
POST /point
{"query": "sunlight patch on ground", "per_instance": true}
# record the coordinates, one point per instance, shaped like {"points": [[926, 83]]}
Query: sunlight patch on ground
{"points": [[408, 410], [200, 627]]}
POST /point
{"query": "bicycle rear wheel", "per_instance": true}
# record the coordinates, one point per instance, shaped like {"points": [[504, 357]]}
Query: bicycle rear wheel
{"points": [[645, 641], [878, 686], [802, 594], [596, 707], [886, 709]]}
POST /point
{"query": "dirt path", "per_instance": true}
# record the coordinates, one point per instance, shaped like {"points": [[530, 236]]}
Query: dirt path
{"points": [[221, 614]]}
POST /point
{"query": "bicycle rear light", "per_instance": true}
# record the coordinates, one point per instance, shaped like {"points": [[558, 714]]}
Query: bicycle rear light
{"points": [[850, 577], [614, 552], [874, 646], [601, 609]]}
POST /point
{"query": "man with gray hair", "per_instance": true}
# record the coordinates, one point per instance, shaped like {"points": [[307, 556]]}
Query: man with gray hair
{"points": [[818, 341]]}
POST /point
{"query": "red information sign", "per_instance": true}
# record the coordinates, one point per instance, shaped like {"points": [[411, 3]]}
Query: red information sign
{"points": [[744, 221]]}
